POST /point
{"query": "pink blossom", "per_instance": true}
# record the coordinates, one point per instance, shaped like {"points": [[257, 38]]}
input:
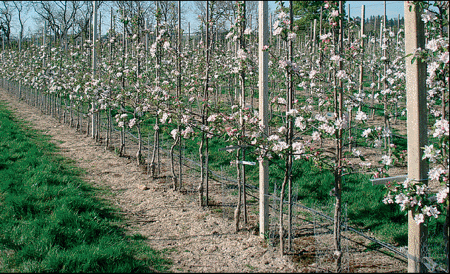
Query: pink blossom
{"points": [[442, 195], [444, 57]]}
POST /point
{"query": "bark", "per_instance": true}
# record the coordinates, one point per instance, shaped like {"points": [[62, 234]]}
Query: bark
{"points": [[283, 187], [202, 170], [237, 212], [155, 148], [139, 151], [172, 167]]}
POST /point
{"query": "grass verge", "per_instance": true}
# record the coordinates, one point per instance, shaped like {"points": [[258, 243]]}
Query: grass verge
{"points": [[50, 220]]}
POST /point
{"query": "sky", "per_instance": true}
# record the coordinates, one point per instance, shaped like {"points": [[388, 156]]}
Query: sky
{"points": [[393, 9]]}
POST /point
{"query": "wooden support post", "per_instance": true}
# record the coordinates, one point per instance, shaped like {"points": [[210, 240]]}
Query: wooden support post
{"points": [[348, 35], [44, 33], [180, 167], [416, 96], [361, 67], [94, 61], [320, 22], [314, 36], [263, 111]]}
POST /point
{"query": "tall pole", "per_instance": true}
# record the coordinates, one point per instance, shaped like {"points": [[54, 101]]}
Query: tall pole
{"points": [[263, 116], [180, 168], [320, 21], [44, 33], [290, 129], [348, 35], [416, 105], [94, 60], [361, 66], [3, 46], [314, 36]]}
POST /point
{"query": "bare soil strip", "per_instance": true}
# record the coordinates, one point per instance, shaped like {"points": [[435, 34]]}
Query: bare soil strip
{"points": [[196, 239]]}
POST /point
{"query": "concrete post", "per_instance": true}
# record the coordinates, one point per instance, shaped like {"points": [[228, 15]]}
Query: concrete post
{"points": [[263, 116], [416, 97]]}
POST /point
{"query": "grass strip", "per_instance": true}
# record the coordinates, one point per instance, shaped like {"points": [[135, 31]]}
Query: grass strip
{"points": [[50, 220]]}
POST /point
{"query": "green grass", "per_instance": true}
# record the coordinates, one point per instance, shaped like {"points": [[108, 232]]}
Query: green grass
{"points": [[50, 220]]}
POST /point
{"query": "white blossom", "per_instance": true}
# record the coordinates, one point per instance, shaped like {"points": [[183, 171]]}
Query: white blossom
{"points": [[327, 128], [334, 13], [428, 16], [164, 117], [281, 145], [277, 31], [186, 132], [431, 153], [335, 58], [282, 15], [291, 36], [282, 130], [292, 112], [241, 54], [435, 173], [356, 152], [341, 74], [441, 128], [281, 101], [174, 133], [419, 218], [212, 118], [433, 45], [442, 195], [444, 57], [361, 116], [386, 160], [316, 136], [132, 123]]}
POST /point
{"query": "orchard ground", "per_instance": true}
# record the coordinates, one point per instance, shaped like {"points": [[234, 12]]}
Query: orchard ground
{"points": [[196, 239]]}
